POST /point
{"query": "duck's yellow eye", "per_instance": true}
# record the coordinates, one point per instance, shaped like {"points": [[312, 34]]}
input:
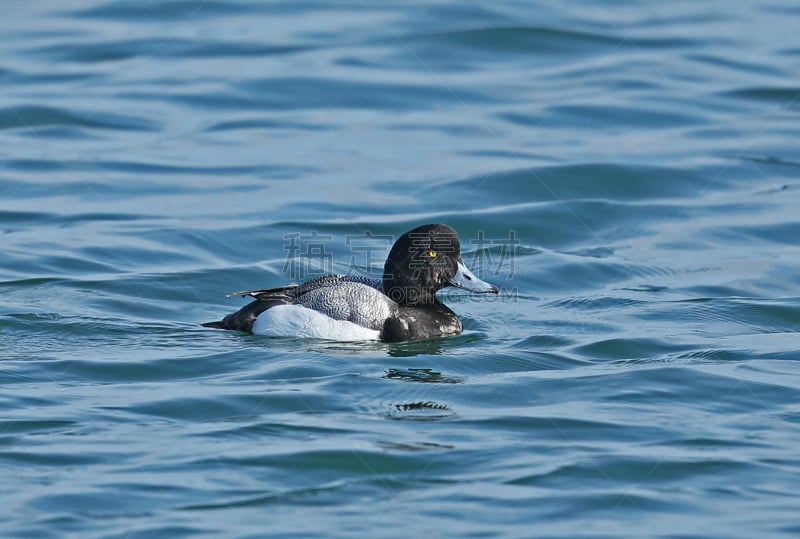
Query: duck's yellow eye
{"points": [[432, 254]]}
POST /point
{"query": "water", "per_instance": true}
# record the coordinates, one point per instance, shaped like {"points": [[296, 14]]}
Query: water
{"points": [[627, 173]]}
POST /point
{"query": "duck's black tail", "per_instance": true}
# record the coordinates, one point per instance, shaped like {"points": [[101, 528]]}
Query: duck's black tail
{"points": [[243, 319], [214, 325]]}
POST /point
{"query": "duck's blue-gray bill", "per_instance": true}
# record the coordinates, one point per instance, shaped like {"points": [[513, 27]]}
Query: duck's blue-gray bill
{"points": [[468, 281]]}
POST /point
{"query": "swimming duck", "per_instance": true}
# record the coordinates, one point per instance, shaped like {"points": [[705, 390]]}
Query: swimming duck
{"points": [[400, 307]]}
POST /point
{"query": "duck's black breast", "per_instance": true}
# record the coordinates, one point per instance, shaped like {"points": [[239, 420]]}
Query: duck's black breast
{"points": [[421, 322]]}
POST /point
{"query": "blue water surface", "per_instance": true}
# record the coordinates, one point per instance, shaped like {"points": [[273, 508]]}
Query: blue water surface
{"points": [[627, 173]]}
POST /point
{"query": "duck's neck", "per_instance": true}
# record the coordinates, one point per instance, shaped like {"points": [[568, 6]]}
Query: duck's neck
{"points": [[407, 287], [409, 295]]}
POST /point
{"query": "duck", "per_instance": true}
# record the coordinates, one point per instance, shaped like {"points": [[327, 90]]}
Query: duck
{"points": [[401, 306]]}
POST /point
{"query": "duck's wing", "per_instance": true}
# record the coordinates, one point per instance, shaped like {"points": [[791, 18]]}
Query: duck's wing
{"points": [[294, 291], [351, 300], [334, 280], [286, 294]]}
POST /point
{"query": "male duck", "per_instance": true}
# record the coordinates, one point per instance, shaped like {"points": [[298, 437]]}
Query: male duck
{"points": [[400, 307]]}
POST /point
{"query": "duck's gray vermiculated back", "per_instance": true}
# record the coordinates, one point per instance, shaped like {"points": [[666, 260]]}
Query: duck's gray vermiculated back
{"points": [[355, 302]]}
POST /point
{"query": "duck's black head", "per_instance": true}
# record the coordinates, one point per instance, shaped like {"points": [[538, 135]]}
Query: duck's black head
{"points": [[425, 260]]}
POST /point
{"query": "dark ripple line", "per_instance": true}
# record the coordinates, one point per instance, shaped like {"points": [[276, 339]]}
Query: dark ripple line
{"points": [[546, 40], [301, 93], [266, 499], [636, 470], [174, 10], [786, 96], [27, 116], [107, 51], [141, 167]]}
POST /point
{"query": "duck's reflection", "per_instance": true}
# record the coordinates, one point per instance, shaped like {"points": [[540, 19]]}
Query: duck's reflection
{"points": [[432, 348], [427, 410], [420, 411], [428, 376]]}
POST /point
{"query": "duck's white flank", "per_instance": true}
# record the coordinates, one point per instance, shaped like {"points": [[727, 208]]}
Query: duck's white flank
{"points": [[300, 321]]}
